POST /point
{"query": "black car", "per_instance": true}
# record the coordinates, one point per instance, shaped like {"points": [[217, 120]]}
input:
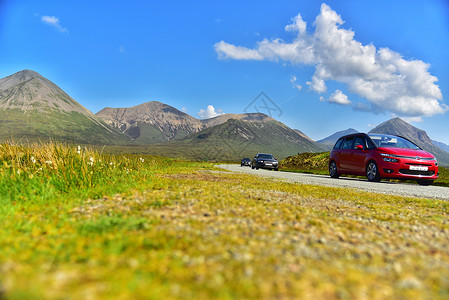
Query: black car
{"points": [[265, 161], [245, 162]]}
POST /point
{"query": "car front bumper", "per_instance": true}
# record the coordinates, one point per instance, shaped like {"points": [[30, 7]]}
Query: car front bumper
{"points": [[408, 169], [267, 165]]}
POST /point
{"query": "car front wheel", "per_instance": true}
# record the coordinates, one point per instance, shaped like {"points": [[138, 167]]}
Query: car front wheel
{"points": [[425, 182], [333, 170], [372, 172]]}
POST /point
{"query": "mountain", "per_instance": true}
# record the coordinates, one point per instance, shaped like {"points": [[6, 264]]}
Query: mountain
{"points": [[330, 141], [443, 146], [32, 108], [225, 137], [237, 138], [156, 122], [151, 122], [398, 126]]}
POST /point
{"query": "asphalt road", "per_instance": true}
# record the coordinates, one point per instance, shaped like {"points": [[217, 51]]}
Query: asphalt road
{"points": [[393, 188]]}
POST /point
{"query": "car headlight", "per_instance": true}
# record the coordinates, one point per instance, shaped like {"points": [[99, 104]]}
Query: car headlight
{"points": [[387, 157]]}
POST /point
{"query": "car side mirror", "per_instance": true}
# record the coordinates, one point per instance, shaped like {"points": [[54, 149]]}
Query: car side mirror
{"points": [[359, 147]]}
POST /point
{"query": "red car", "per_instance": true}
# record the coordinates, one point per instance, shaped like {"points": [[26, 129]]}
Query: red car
{"points": [[378, 156]]}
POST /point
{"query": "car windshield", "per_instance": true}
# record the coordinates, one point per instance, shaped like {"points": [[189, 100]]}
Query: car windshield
{"points": [[266, 156], [391, 141]]}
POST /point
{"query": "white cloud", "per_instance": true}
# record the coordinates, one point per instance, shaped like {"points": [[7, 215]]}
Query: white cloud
{"points": [[389, 82], [294, 84], [339, 98], [209, 112], [54, 22], [226, 50], [318, 85]]}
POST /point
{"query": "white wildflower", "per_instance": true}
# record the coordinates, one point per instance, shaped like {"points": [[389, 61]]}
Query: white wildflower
{"points": [[142, 159], [91, 161], [33, 160], [48, 162], [79, 150]]}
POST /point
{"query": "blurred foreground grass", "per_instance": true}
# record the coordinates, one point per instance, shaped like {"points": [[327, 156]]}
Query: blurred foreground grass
{"points": [[94, 226]]}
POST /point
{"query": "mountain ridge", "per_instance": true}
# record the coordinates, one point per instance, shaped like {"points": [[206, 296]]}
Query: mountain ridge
{"points": [[34, 108], [235, 139], [155, 122]]}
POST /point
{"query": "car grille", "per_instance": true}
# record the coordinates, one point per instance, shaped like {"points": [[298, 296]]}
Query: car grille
{"points": [[413, 157], [414, 172]]}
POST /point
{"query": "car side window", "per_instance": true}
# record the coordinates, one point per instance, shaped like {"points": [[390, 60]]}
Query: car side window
{"points": [[359, 141], [338, 144], [348, 143]]}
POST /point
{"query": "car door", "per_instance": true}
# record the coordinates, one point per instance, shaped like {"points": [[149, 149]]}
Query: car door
{"points": [[345, 154], [358, 156]]}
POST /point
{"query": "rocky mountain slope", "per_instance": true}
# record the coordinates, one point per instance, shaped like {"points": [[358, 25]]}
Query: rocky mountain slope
{"points": [[33, 108], [156, 122], [398, 126], [151, 122]]}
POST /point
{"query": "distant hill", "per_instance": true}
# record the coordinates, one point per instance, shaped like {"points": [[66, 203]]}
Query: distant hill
{"points": [[155, 122], [151, 122], [236, 139], [330, 141], [398, 126], [443, 146], [32, 108]]}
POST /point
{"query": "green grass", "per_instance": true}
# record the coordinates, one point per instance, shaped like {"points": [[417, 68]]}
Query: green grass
{"points": [[158, 228]]}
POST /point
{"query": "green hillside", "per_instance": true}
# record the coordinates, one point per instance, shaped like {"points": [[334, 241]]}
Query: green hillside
{"points": [[32, 108], [236, 139], [70, 127]]}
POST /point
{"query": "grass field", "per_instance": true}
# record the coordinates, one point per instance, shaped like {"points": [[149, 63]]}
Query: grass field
{"points": [[79, 224]]}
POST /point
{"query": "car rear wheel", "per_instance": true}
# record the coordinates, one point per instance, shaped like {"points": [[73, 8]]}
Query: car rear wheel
{"points": [[333, 170], [372, 172]]}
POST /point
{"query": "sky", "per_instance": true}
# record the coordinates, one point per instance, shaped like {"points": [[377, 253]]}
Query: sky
{"points": [[316, 66]]}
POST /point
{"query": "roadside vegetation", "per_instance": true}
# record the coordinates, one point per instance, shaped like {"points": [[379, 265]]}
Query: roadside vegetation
{"points": [[80, 224], [317, 163]]}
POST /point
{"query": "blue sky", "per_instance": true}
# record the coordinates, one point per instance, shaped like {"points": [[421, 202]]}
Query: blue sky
{"points": [[326, 66]]}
